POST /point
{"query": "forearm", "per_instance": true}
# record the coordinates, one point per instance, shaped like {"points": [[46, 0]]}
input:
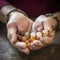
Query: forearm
{"points": [[5, 7], [3, 3], [4, 11]]}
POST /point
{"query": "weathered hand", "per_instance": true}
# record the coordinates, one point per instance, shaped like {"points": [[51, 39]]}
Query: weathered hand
{"points": [[45, 25], [18, 22]]}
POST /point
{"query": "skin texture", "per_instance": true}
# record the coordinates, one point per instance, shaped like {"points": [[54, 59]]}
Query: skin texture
{"points": [[18, 22], [40, 22]]}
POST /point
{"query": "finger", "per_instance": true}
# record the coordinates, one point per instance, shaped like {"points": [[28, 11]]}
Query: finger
{"points": [[33, 28], [11, 33], [26, 51], [38, 24], [32, 47], [35, 48], [21, 45], [36, 45], [48, 39], [30, 25], [22, 24], [40, 19]]}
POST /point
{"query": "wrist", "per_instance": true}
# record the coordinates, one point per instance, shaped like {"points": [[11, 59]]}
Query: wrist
{"points": [[6, 9], [58, 15], [16, 11]]}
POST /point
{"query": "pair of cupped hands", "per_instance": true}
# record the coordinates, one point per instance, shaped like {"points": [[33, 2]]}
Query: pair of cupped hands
{"points": [[21, 23]]}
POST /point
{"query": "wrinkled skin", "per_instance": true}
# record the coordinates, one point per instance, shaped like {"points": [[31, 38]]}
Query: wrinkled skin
{"points": [[18, 22], [40, 22]]}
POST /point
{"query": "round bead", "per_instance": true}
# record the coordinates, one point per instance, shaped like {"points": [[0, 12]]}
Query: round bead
{"points": [[32, 38], [39, 34], [45, 32], [28, 44], [33, 34], [27, 34], [24, 39]]}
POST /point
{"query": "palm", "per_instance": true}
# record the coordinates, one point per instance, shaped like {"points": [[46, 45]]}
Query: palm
{"points": [[43, 23], [18, 22]]}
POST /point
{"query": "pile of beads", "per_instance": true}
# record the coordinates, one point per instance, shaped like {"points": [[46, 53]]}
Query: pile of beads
{"points": [[28, 38]]}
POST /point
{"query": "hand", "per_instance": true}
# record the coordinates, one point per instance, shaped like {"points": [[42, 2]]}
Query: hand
{"points": [[18, 22], [40, 24]]}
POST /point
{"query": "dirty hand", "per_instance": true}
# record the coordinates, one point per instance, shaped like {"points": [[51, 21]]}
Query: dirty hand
{"points": [[45, 25], [18, 22]]}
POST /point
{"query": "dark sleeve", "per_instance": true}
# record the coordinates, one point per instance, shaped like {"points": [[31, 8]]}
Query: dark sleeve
{"points": [[3, 3]]}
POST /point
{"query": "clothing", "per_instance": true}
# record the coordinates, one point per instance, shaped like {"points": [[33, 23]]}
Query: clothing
{"points": [[34, 7]]}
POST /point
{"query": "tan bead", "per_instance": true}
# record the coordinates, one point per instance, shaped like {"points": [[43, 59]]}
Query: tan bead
{"points": [[33, 34], [39, 34], [27, 34], [28, 44], [45, 32], [32, 38], [24, 39]]}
